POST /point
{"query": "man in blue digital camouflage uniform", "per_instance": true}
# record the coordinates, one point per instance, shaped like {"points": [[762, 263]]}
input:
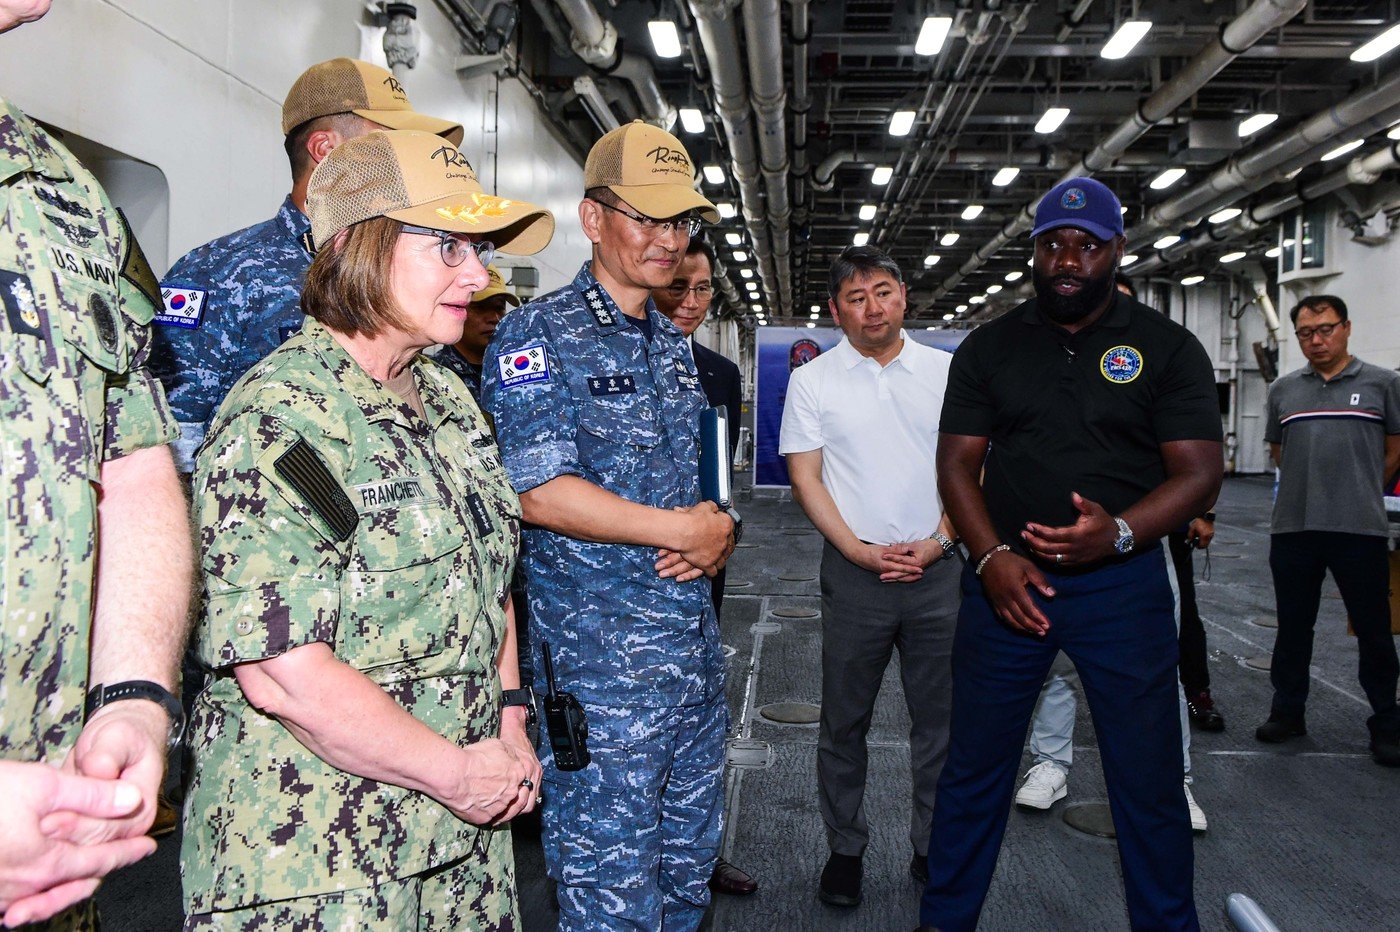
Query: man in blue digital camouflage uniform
{"points": [[467, 356], [232, 301], [596, 400]]}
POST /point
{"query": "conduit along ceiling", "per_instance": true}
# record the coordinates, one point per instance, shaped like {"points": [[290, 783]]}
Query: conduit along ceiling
{"points": [[930, 129]]}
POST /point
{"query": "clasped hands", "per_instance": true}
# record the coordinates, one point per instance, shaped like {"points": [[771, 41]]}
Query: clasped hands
{"points": [[1008, 577]]}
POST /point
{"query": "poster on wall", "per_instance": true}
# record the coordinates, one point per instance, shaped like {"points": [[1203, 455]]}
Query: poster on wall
{"points": [[780, 350]]}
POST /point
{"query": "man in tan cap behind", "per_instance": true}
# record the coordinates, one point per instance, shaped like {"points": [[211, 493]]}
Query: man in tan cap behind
{"points": [[596, 401], [484, 314], [230, 302]]}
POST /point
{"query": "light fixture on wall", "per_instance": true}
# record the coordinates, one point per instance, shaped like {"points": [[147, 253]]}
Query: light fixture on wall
{"points": [[593, 101], [400, 35]]}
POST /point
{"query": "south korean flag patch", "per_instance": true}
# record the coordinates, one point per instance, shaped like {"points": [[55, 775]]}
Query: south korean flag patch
{"points": [[523, 366], [184, 307]]}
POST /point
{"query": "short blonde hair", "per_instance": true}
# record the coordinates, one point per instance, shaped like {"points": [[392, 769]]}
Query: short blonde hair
{"points": [[349, 289]]}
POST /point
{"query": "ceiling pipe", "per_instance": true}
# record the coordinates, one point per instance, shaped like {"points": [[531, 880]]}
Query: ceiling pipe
{"points": [[1234, 39], [824, 175], [800, 104], [1370, 109], [1073, 19], [763, 30], [719, 37], [594, 40], [1363, 170]]}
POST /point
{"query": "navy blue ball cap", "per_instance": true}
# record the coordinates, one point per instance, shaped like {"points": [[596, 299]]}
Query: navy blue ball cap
{"points": [[1083, 203]]}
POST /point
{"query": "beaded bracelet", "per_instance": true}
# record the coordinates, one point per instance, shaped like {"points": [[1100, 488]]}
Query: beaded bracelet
{"points": [[989, 554]]}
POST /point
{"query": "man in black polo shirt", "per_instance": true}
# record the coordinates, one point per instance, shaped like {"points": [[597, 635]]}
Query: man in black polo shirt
{"points": [[1097, 422], [1334, 429]]}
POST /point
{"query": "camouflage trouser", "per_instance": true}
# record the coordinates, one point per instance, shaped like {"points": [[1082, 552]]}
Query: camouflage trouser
{"points": [[632, 839], [470, 894]]}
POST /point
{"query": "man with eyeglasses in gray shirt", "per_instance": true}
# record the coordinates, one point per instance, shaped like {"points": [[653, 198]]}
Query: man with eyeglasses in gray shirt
{"points": [[1333, 427]]}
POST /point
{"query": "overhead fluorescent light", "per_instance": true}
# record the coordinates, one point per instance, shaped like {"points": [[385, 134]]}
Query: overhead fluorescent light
{"points": [[960, 308], [1166, 242], [948, 316], [867, 211], [1167, 178], [746, 273], [972, 211], [740, 256], [1233, 256], [1128, 259], [1005, 176], [714, 174], [1051, 120], [977, 299], [1128, 35], [931, 260], [727, 211], [948, 239], [1378, 46], [881, 175], [757, 307], [932, 34], [1394, 132], [664, 38], [1255, 123], [1193, 280], [993, 289], [1226, 215], [814, 315], [901, 122], [810, 325], [1341, 150], [762, 322], [733, 239], [1274, 253], [860, 239], [816, 308], [1014, 276], [691, 120]]}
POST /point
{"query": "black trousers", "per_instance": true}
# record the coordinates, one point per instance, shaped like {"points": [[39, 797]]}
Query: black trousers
{"points": [[1195, 676], [1360, 566]]}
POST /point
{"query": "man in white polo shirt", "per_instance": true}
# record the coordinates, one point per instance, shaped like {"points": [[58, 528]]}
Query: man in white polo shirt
{"points": [[860, 432]]}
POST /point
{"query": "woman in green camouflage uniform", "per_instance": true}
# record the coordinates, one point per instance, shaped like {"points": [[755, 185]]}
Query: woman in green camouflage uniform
{"points": [[353, 764]]}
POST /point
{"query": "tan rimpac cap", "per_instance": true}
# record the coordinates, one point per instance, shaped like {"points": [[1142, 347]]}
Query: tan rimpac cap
{"points": [[496, 285], [417, 178], [347, 85], [648, 168]]}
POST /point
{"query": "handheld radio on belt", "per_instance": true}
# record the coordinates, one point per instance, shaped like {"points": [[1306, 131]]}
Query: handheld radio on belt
{"points": [[565, 721]]}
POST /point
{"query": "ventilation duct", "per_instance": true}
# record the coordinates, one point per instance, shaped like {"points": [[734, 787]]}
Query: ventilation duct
{"points": [[1236, 38]]}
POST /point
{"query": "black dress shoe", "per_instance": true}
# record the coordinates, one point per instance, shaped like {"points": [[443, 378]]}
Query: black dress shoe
{"points": [[1385, 752], [918, 868], [731, 880], [1200, 707], [1280, 728], [840, 883]]}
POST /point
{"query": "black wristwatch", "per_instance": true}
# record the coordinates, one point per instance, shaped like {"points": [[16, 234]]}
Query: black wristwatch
{"points": [[738, 522], [1208, 516], [101, 695], [524, 696]]}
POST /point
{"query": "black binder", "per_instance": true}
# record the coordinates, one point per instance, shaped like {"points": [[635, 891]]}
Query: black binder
{"points": [[715, 466]]}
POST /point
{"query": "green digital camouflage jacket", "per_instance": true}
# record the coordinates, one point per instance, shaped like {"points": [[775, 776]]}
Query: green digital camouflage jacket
{"points": [[329, 511], [78, 299]]}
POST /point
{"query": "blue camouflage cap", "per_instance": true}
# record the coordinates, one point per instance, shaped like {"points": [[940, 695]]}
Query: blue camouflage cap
{"points": [[1083, 203]]}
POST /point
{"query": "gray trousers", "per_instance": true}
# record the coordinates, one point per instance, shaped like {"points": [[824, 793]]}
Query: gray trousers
{"points": [[863, 619]]}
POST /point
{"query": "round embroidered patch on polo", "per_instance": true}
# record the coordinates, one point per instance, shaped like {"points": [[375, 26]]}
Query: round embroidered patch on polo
{"points": [[1073, 199], [1121, 364]]}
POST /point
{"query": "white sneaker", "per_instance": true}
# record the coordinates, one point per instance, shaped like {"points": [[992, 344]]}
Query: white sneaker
{"points": [[1045, 783], [1198, 816]]}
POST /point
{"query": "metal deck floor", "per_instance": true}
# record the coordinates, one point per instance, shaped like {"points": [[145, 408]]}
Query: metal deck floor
{"points": [[1307, 830]]}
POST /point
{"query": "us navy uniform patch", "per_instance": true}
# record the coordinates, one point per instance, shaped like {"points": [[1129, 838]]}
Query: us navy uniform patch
{"points": [[21, 309]]}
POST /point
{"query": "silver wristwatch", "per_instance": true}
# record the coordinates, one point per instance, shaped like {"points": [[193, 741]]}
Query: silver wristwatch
{"points": [[1125, 541], [946, 544]]}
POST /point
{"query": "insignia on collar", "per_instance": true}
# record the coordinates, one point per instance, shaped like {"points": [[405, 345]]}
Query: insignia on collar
{"points": [[21, 309], [308, 244], [598, 305]]}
